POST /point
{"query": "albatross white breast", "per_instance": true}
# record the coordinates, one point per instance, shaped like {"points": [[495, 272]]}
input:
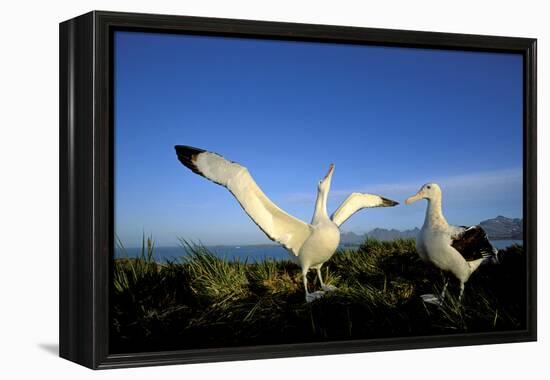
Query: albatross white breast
{"points": [[459, 250], [309, 244]]}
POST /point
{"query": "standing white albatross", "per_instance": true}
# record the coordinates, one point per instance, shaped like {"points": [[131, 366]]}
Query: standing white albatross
{"points": [[459, 250], [310, 245]]}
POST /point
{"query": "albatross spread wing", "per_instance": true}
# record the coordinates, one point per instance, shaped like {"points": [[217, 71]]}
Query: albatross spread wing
{"points": [[278, 225], [358, 201]]}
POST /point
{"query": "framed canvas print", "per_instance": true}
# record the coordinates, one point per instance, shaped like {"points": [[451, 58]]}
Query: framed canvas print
{"points": [[236, 189]]}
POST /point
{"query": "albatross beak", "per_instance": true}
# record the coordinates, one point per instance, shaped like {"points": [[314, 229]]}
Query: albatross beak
{"points": [[414, 198], [388, 202], [330, 171]]}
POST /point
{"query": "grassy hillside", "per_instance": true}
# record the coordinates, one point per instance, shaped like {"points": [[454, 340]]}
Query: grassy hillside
{"points": [[203, 301]]}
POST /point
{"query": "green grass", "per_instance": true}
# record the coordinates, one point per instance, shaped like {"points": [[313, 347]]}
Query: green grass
{"points": [[203, 301]]}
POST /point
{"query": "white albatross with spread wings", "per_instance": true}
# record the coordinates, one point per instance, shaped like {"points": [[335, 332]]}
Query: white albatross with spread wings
{"points": [[310, 245], [456, 249]]}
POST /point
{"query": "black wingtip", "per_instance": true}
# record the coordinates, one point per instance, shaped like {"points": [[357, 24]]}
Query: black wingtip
{"points": [[187, 156], [388, 202], [188, 150]]}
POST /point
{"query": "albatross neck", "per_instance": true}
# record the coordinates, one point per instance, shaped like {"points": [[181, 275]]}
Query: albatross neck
{"points": [[434, 215], [320, 213]]}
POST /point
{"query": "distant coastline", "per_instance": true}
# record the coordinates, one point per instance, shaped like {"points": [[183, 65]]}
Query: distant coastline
{"points": [[499, 228], [502, 232]]}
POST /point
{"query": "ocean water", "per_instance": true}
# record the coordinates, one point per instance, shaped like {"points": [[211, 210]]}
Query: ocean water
{"points": [[250, 253]]}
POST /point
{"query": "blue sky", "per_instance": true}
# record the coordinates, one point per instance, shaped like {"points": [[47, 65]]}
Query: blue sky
{"points": [[390, 119]]}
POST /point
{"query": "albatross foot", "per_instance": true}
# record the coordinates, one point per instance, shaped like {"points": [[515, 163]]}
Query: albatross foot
{"points": [[329, 288], [314, 296], [431, 299]]}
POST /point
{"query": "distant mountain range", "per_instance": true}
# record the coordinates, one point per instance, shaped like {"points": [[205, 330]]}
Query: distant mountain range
{"points": [[351, 238], [503, 228], [499, 228]]}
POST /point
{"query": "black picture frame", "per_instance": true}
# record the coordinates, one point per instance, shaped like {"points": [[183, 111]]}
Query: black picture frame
{"points": [[86, 180]]}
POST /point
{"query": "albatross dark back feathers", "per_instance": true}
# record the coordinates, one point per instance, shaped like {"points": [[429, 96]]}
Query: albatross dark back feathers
{"points": [[474, 244]]}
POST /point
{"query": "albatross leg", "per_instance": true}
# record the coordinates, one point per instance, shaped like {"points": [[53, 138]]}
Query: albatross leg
{"points": [[326, 288], [310, 296], [432, 298], [461, 291]]}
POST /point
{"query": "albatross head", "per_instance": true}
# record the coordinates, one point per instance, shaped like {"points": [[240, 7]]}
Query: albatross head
{"points": [[430, 191], [324, 184]]}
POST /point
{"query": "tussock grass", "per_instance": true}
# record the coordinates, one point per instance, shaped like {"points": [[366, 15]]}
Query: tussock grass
{"points": [[205, 301], [212, 278]]}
